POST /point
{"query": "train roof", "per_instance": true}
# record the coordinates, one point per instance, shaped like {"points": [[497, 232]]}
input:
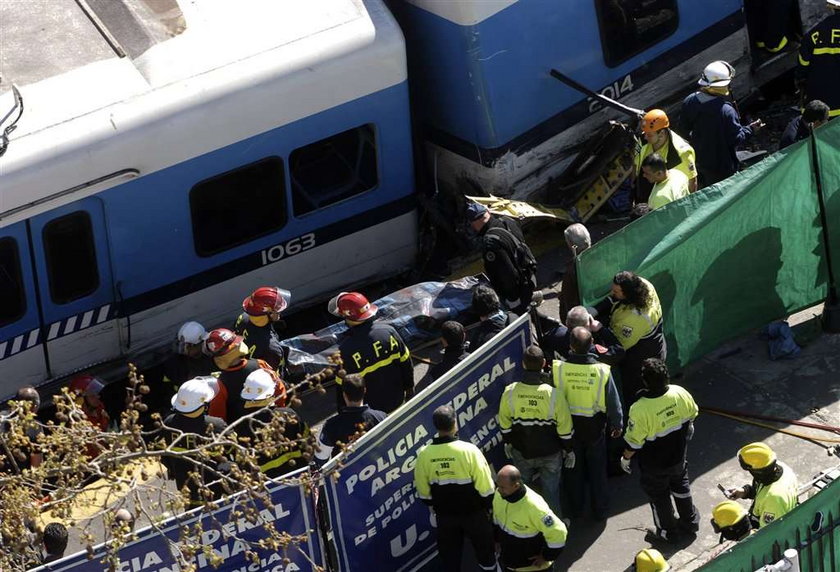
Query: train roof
{"points": [[89, 71]]}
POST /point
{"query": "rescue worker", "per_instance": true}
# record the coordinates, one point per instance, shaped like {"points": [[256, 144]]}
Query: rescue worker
{"points": [[453, 478], [375, 351], [590, 391], [814, 115], [819, 60], [188, 427], [508, 261], [606, 348], [774, 489], [454, 339], [677, 153], [659, 426], [188, 360], [731, 521], [257, 325], [537, 428], [230, 355], [492, 318], [772, 24], [351, 422], [531, 537], [635, 316], [88, 390], [668, 184], [31, 455], [577, 239], [278, 456], [712, 125], [649, 560]]}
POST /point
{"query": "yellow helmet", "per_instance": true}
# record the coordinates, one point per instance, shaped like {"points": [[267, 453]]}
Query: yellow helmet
{"points": [[654, 120], [651, 560], [756, 456], [727, 513]]}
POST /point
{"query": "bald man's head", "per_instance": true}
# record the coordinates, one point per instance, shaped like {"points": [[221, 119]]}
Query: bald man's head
{"points": [[30, 394], [581, 340], [508, 480]]}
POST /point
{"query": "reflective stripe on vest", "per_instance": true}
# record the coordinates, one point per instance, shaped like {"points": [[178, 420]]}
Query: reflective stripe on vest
{"points": [[592, 400]]}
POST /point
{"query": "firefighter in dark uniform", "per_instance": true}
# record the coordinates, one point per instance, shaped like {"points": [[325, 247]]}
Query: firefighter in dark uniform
{"points": [[375, 351], [187, 361], [230, 355], [659, 427], [276, 458], [634, 314], [819, 60], [454, 479], [530, 535], [508, 262], [188, 427], [593, 400], [711, 123], [257, 325], [537, 427]]}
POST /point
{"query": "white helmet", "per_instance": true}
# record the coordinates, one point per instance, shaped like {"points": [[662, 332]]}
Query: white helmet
{"points": [[259, 385], [717, 74], [833, 3], [195, 393], [191, 333]]}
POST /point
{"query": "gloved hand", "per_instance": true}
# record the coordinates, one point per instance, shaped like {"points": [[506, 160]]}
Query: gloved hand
{"points": [[569, 460], [508, 450], [625, 465]]}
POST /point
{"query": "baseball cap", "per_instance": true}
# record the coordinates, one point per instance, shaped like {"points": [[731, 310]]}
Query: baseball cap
{"points": [[475, 211]]}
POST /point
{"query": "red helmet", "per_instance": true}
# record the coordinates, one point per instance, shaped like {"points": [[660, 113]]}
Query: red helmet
{"points": [[220, 340], [85, 384], [266, 300], [353, 306]]}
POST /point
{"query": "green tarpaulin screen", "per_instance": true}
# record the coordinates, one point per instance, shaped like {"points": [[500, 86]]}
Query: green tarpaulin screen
{"points": [[734, 256]]}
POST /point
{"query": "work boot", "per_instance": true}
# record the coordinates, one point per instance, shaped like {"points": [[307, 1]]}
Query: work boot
{"points": [[660, 535]]}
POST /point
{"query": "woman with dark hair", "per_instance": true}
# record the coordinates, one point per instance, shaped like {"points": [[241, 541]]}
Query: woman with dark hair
{"points": [[635, 317]]}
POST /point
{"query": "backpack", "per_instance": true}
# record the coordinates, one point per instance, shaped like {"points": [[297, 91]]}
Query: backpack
{"points": [[522, 255]]}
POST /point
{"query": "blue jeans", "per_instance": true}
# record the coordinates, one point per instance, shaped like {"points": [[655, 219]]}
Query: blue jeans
{"points": [[590, 468], [550, 471]]}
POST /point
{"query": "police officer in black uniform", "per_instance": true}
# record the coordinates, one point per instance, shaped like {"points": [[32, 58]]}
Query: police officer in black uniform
{"points": [[351, 422], [508, 262], [375, 351]]}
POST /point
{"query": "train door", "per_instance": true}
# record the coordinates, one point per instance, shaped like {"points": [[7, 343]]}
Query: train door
{"points": [[22, 357], [75, 286]]}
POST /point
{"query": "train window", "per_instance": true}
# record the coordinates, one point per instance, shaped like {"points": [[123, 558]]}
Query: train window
{"points": [[12, 296], [238, 206], [71, 257], [631, 26], [333, 169]]}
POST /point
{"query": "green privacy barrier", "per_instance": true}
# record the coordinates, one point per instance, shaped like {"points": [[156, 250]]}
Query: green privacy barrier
{"points": [[812, 528], [733, 256]]}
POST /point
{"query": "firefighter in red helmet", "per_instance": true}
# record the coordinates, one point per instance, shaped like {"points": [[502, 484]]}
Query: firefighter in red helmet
{"points": [[87, 389], [373, 350], [230, 355], [257, 325]]}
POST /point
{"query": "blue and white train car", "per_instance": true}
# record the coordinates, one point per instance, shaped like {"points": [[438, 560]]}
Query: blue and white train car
{"points": [[173, 156], [491, 112]]}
